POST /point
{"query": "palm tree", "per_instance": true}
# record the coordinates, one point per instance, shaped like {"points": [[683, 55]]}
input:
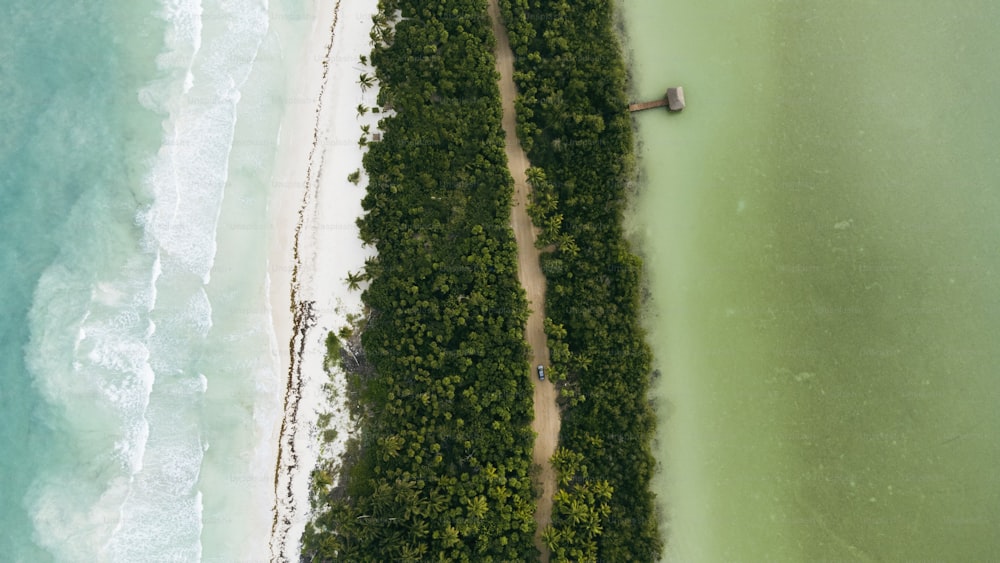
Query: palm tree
{"points": [[478, 507], [381, 32], [354, 280], [437, 501], [366, 81], [366, 129], [449, 536], [362, 110], [578, 511], [490, 472], [380, 500], [551, 537], [415, 552], [535, 176]]}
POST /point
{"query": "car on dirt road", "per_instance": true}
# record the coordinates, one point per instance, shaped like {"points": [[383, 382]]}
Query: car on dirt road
{"points": [[541, 372]]}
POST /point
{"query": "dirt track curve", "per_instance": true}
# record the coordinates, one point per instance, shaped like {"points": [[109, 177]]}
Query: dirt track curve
{"points": [[546, 424]]}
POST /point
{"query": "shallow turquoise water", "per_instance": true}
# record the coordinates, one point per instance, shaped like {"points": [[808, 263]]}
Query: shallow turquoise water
{"points": [[136, 346], [62, 143], [820, 234]]}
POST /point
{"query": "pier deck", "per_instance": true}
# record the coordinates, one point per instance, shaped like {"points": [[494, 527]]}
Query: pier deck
{"points": [[673, 100], [648, 105]]}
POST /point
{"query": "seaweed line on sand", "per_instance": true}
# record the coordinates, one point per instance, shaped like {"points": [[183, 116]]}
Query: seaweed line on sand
{"points": [[304, 318]]}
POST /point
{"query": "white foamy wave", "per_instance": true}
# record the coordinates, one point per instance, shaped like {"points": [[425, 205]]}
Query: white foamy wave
{"points": [[190, 172], [107, 361], [183, 41], [75, 527], [184, 33], [161, 515], [188, 180], [187, 323], [89, 359], [115, 353]]}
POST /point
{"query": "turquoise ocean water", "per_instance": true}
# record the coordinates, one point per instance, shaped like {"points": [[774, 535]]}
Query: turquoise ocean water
{"points": [[821, 235], [138, 364]]}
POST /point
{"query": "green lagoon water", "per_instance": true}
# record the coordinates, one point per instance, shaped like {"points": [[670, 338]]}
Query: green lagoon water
{"points": [[821, 228]]}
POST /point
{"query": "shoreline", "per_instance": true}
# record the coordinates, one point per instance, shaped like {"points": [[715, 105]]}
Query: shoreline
{"points": [[313, 245], [634, 231]]}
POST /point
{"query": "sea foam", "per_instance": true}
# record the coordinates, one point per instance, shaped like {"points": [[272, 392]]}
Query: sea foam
{"points": [[114, 351]]}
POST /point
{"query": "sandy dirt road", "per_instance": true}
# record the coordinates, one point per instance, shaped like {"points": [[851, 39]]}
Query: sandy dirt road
{"points": [[546, 424]]}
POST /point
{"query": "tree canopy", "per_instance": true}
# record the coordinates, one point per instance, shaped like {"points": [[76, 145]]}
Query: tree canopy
{"points": [[574, 123], [445, 409]]}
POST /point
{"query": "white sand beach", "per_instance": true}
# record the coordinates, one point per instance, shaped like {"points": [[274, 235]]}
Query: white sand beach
{"points": [[315, 244]]}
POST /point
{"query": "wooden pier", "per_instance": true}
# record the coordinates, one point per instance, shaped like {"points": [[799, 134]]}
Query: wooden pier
{"points": [[648, 105], [673, 100]]}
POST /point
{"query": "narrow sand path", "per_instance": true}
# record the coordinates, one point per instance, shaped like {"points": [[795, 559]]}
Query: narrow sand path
{"points": [[546, 424]]}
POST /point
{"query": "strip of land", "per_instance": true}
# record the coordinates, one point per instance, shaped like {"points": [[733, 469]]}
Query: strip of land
{"points": [[546, 423]]}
